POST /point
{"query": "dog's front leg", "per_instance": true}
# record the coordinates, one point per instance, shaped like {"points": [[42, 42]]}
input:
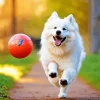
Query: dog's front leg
{"points": [[63, 91], [52, 67], [67, 77]]}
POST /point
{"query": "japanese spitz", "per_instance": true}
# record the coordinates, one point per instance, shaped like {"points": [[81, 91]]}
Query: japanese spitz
{"points": [[62, 51]]}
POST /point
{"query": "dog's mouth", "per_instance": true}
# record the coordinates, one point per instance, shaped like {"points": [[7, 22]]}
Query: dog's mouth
{"points": [[58, 40]]}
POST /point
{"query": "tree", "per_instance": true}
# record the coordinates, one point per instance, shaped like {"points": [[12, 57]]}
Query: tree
{"points": [[13, 16], [94, 27]]}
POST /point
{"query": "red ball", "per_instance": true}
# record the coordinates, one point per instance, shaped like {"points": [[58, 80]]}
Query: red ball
{"points": [[20, 45]]}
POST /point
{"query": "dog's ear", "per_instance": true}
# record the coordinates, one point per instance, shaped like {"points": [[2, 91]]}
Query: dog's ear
{"points": [[53, 16], [72, 20]]}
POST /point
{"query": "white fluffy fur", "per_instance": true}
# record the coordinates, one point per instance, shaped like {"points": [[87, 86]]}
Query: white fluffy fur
{"points": [[66, 59]]}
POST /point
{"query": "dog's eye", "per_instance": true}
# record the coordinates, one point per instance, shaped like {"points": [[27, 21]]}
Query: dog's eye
{"points": [[55, 27], [64, 29]]}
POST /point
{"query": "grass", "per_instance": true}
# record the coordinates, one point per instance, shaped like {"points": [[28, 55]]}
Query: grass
{"points": [[23, 64], [11, 69], [5, 84], [90, 70]]}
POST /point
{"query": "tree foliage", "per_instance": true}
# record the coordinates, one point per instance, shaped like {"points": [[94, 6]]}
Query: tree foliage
{"points": [[78, 8]]}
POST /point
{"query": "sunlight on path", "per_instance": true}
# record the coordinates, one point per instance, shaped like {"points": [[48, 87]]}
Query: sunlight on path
{"points": [[10, 70]]}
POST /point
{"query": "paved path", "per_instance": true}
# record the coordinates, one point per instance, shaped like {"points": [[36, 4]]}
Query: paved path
{"points": [[35, 86]]}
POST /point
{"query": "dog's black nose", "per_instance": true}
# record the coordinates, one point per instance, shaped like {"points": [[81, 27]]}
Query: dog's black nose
{"points": [[58, 32]]}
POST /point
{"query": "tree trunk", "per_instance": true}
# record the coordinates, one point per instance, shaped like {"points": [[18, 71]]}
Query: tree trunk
{"points": [[94, 27], [13, 16]]}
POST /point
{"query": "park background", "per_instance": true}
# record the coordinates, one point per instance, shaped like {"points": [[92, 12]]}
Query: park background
{"points": [[28, 17]]}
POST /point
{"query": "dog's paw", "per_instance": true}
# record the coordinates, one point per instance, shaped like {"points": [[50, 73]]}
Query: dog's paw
{"points": [[53, 75], [63, 82], [62, 95]]}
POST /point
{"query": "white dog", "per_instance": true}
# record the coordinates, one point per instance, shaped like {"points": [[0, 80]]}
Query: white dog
{"points": [[62, 51]]}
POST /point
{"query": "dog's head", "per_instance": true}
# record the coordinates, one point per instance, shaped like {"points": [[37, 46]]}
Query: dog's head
{"points": [[59, 31]]}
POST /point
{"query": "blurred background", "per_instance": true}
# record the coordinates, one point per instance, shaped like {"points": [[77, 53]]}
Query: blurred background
{"points": [[29, 16]]}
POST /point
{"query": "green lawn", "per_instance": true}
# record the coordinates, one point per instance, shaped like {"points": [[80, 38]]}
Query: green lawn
{"points": [[11, 69], [90, 70]]}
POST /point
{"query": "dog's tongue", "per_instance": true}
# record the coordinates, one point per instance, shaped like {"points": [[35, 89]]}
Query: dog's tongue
{"points": [[57, 42]]}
